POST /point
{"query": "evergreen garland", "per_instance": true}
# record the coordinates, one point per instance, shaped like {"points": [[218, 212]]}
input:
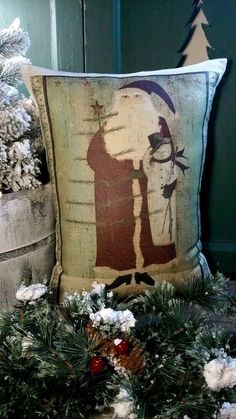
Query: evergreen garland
{"points": [[48, 353]]}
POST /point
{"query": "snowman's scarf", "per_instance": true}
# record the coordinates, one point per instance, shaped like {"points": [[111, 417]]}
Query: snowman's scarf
{"points": [[173, 157]]}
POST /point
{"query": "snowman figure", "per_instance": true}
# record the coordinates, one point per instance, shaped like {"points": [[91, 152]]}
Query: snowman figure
{"points": [[159, 165]]}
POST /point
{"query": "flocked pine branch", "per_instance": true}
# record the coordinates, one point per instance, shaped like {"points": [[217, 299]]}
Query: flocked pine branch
{"points": [[155, 301], [20, 137], [13, 40], [45, 354], [210, 292], [10, 70]]}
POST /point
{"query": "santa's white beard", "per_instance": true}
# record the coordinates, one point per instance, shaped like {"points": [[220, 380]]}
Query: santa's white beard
{"points": [[138, 121]]}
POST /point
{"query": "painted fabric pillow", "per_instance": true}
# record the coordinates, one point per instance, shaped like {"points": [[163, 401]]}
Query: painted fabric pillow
{"points": [[125, 155]]}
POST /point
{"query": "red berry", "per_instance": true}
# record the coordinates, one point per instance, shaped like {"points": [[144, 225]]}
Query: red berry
{"points": [[97, 364], [122, 347]]}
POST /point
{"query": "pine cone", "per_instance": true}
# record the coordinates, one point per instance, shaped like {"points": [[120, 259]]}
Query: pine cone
{"points": [[133, 361], [104, 345], [95, 335]]}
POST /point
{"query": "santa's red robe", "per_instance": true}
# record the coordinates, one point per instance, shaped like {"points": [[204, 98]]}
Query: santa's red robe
{"points": [[115, 222]]}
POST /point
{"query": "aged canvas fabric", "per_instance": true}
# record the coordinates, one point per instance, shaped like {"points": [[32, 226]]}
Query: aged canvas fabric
{"points": [[125, 155]]}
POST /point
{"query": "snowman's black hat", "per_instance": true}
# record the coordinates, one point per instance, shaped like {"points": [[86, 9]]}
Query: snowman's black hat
{"points": [[157, 140]]}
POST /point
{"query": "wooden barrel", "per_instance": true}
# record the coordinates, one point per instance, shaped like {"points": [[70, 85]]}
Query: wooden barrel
{"points": [[27, 240]]}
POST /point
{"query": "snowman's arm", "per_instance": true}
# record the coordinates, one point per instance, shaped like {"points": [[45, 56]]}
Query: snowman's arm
{"points": [[168, 189]]}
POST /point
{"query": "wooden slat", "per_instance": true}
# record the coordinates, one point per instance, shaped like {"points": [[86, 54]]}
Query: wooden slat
{"points": [[67, 16], [101, 35], [25, 218]]}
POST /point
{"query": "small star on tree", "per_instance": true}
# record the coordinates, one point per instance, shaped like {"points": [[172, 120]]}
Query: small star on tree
{"points": [[100, 117], [97, 108]]}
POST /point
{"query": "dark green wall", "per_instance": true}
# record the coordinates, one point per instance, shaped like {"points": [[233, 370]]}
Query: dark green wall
{"points": [[101, 35], [152, 33], [131, 35]]}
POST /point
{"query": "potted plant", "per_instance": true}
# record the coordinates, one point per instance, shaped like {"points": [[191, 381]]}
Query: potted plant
{"points": [[26, 209]]}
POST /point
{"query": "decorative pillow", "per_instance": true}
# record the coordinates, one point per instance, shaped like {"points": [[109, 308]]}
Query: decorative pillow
{"points": [[125, 155]]}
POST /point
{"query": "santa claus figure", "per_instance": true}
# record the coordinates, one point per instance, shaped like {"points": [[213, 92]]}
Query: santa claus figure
{"points": [[129, 187]]}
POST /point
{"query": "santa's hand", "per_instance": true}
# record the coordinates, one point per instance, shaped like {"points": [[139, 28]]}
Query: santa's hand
{"points": [[147, 162], [136, 174], [102, 128]]}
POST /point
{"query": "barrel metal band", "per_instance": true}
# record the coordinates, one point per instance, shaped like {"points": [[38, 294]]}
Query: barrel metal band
{"points": [[12, 254]]}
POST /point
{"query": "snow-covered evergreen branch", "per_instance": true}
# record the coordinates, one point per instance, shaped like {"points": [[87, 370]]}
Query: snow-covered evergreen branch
{"points": [[20, 138], [13, 40]]}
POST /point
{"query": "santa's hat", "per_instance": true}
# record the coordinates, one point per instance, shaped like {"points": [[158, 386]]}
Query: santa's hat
{"points": [[149, 87]]}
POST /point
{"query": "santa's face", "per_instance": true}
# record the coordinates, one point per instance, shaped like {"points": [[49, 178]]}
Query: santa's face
{"points": [[132, 97], [136, 119]]}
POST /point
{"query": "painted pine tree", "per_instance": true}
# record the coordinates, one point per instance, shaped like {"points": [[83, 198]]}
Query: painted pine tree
{"points": [[195, 49]]}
